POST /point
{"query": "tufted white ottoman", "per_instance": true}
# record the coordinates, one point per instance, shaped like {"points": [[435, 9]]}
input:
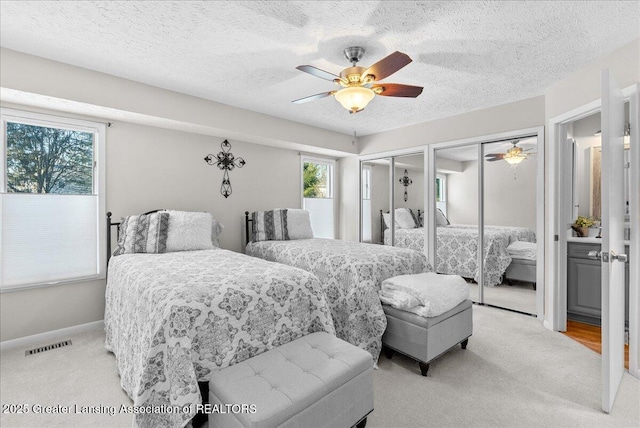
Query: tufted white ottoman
{"points": [[315, 381]]}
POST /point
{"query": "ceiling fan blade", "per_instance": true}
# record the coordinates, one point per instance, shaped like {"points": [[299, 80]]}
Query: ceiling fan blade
{"points": [[313, 97], [493, 159], [494, 156], [398, 90], [388, 65], [314, 71]]}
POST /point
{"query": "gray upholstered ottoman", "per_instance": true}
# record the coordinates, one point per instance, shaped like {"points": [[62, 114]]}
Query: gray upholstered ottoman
{"points": [[315, 381], [424, 339]]}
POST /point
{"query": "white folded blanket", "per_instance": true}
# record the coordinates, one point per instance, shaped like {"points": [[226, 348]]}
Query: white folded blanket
{"points": [[523, 250], [436, 293], [404, 301]]}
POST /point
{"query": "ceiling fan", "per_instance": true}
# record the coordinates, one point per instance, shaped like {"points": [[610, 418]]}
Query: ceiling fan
{"points": [[513, 156], [360, 85]]}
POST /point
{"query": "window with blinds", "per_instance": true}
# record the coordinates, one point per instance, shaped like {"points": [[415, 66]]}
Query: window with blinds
{"points": [[317, 195], [51, 201]]}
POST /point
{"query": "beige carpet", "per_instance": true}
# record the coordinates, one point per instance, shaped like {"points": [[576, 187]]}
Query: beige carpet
{"points": [[514, 373]]}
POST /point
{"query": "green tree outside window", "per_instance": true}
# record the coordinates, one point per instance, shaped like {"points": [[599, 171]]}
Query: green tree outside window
{"points": [[315, 180], [48, 160]]}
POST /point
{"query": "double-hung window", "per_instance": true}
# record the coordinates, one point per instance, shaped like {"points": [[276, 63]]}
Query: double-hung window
{"points": [[51, 200], [317, 194]]}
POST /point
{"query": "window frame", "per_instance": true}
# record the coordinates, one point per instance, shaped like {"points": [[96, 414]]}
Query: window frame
{"points": [[366, 177], [331, 163], [54, 120]]}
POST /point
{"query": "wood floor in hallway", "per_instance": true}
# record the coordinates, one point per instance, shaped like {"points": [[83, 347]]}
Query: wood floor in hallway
{"points": [[591, 337]]}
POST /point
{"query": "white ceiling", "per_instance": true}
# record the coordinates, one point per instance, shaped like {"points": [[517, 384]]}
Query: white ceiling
{"points": [[467, 55]]}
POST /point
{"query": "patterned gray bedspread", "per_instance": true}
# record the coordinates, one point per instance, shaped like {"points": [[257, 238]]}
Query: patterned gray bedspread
{"points": [[172, 319], [457, 248], [351, 274]]}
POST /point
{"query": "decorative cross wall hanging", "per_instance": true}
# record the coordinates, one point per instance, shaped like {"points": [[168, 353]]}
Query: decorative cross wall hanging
{"points": [[406, 181], [226, 162]]}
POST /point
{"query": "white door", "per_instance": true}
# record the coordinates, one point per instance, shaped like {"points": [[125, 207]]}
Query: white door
{"points": [[612, 258]]}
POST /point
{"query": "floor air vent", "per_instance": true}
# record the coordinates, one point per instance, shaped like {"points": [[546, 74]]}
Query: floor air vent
{"points": [[47, 348]]}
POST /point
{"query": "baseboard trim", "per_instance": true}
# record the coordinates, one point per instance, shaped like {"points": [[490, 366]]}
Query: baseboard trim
{"points": [[50, 335]]}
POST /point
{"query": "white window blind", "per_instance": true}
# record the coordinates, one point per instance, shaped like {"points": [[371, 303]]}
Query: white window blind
{"points": [[52, 225], [48, 238]]}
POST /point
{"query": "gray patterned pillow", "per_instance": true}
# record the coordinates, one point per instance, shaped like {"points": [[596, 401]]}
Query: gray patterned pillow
{"points": [[270, 225], [281, 224], [143, 234]]}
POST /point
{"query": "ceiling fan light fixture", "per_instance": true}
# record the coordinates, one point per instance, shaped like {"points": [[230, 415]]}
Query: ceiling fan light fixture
{"points": [[514, 159], [354, 98]]}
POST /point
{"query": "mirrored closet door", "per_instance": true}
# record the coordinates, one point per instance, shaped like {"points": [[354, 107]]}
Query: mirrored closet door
{"points": [[392, 191], [375, 176], [509, 171], [456, 214], [485, 219], [408, 201]]}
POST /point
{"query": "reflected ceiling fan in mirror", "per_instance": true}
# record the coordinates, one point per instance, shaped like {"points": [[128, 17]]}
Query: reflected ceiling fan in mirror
{"points": [[513, 156], [360, 85]]}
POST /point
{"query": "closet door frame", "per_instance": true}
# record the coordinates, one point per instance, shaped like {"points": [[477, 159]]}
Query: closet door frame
{"points": [[541, 237]]}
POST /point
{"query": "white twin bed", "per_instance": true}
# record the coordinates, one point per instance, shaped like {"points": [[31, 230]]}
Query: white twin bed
{"points": [[172, 317], [351, 273]]}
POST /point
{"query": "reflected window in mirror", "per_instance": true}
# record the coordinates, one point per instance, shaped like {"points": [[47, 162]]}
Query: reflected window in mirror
{"points": [[441, 193], [366, 203]]}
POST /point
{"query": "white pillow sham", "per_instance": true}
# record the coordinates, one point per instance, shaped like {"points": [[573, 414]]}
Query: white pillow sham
{"points": [[189, 231], [404, 219]]}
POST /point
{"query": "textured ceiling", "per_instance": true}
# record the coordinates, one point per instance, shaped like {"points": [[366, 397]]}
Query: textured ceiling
{"points": [[467, 55]]}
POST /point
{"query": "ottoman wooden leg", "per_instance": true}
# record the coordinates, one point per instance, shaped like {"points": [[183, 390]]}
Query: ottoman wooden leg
{"points": [[424, 368], [464, 343]]}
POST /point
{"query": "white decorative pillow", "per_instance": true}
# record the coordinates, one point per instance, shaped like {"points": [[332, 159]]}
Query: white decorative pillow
{"points": [[404, 219], [441, 219], [299, 224], [146, 233], [189, 231], [281, 224]]}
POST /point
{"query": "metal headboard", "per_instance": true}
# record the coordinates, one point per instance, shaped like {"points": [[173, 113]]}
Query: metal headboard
{"points": [[247, 219]]}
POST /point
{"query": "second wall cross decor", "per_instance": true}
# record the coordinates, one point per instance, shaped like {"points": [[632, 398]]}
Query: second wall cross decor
{"points": [[226, 161], [406, 181]]}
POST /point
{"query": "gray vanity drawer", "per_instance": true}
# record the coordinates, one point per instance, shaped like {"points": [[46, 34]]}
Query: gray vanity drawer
{"points": [[581, 250]]}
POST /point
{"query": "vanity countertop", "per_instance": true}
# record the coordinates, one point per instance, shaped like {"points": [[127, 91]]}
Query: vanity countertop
{"points": [[586, 240], [589, 240]]}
